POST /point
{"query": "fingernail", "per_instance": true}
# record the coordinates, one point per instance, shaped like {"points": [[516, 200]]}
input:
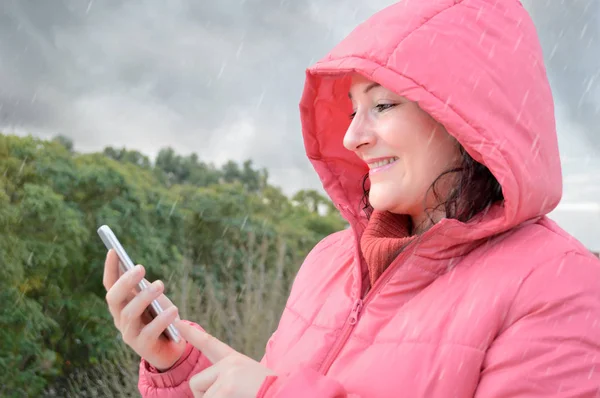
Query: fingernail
{"points": [[180, 324], [156, 286], [137, 269]]}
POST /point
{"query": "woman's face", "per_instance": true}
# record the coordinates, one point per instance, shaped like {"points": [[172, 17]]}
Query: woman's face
{"points": [[404, 147]]}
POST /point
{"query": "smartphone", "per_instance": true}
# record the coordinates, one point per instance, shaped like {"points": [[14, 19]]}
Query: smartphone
{"points": [[111, 242]]}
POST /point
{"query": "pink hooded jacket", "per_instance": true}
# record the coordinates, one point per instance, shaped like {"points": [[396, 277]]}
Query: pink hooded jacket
{"points": [[506, 305]]}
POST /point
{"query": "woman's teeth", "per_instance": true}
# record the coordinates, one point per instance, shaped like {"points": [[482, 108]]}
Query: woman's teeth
{"points": [[382, 162]]}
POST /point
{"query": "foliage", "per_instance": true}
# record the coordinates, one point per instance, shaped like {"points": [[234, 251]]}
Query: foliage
{"points": [[215, 235]]}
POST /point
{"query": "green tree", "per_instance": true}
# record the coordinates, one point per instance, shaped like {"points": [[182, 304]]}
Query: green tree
{"points": [[313, 201], [64, 141], [124, 155], [178, 211]]}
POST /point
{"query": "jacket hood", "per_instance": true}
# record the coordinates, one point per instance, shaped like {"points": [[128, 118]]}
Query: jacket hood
{"points": [[476, 66]]}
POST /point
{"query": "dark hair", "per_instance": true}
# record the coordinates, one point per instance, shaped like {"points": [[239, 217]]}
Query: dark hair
{"points": [[475, 191]]}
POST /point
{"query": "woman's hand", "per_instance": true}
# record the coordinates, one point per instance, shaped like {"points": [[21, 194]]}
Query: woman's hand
{"points": [[139, 331], [231, 375]]}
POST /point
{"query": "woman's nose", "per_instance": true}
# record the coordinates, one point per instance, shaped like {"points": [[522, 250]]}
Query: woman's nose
{"points": [[357, 134]]}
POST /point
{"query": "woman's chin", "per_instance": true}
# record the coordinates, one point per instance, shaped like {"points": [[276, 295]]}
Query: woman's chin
{"points": [[385, 199], [384, 203]]}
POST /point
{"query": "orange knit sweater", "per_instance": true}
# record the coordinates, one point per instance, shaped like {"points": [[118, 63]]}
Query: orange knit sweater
{"points": [[385, 235]]}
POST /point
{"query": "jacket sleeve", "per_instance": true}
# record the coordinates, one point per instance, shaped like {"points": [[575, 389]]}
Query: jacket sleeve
{"points": [[175, 381], [552, 346]]}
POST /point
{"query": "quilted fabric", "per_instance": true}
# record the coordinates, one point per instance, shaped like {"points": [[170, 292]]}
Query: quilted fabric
{"points": [[507, 305]]}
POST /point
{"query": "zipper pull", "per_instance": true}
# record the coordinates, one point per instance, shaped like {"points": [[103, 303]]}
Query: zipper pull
{"points": [[355, 311]]}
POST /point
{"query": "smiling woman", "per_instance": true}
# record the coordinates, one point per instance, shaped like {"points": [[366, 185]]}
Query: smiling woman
{"points": [[405, 149], [432, 129], [415, 166]]}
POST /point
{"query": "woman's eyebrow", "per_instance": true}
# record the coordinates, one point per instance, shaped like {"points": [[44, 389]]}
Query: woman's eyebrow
{"points": [[367, 89]]}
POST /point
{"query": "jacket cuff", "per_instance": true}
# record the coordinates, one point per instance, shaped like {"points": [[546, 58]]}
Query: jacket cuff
{"points": [[175, 375]]}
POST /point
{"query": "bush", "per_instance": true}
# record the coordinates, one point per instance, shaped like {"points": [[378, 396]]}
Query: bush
{"points": [[226, 243]]}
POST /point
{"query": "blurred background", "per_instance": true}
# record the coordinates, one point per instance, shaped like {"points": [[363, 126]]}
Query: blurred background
{"points": [[223, 80], [123, 107]]}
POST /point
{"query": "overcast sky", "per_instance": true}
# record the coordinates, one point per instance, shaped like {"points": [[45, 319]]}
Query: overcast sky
{"points": [[223, 79]]}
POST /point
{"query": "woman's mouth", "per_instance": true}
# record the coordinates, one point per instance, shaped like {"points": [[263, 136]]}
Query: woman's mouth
{"points": [[382, 164]]}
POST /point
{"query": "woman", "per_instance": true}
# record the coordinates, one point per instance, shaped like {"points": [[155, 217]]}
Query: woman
{"points": [[432, 129]]}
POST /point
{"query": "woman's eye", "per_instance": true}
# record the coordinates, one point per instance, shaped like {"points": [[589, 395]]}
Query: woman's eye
{"points": [[383, 107], [379, 108]]}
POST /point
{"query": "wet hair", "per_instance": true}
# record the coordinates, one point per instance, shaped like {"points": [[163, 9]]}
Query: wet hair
{"points": [[475, 191]]}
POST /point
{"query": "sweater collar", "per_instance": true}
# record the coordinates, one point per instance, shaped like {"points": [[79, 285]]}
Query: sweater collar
{"points": [[383, 239]]}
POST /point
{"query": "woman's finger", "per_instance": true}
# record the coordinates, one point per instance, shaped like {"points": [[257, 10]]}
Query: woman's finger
{"points": [[163, 300], [202, 382], [211, 347], [117, 295], [111, 269], [157, 326], [215, 391], [131, 315], [165, 303]]}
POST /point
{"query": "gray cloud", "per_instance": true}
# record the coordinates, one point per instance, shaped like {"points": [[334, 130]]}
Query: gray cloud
{"points": [[223, 78], [162, 73], [570, 35], [219, 78]]}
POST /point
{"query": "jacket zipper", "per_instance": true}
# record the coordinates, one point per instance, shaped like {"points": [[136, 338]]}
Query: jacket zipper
{"points": [[352, 320], [360, 304], [346, 331]]}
